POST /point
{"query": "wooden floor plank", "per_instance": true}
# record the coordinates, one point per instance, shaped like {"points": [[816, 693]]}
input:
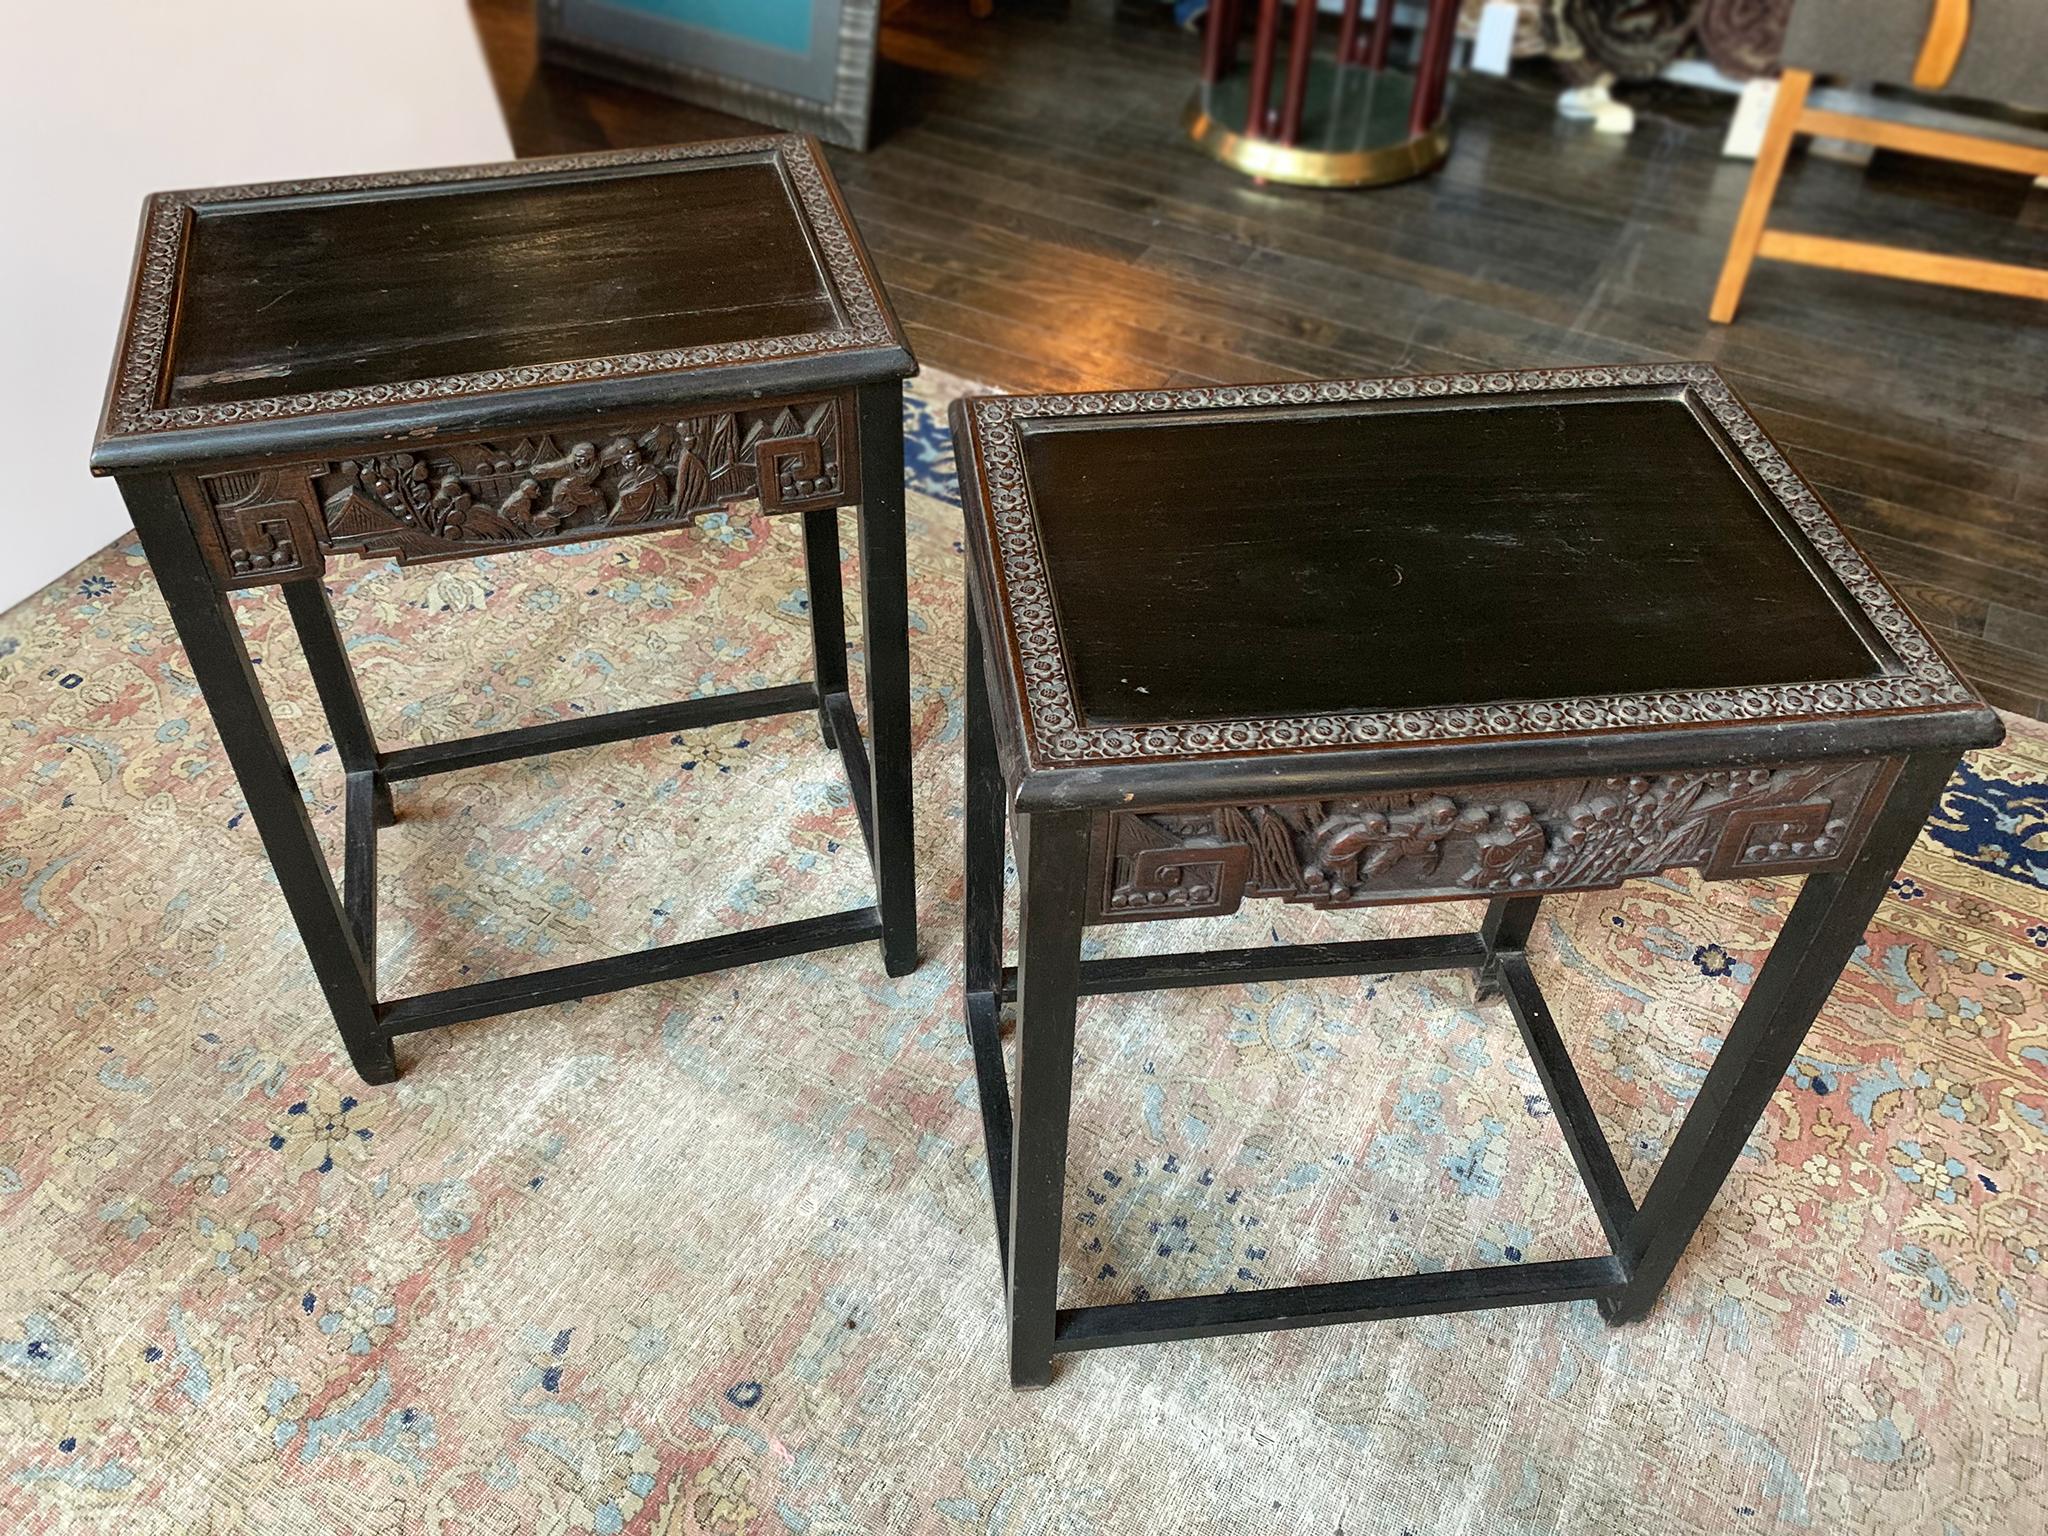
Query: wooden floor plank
{"points": [[2008, 679]]}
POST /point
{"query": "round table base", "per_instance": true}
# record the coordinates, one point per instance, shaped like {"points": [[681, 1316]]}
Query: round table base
{"points": [[1354, 130]]}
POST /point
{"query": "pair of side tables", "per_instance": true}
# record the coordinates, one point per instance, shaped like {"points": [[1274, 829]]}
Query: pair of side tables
{"points": [[1483, 637]]}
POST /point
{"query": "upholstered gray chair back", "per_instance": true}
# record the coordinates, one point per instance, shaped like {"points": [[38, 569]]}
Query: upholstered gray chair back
{"points": [[2004, 58]]}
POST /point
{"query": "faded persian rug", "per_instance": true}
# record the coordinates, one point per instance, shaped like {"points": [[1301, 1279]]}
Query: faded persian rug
{"points": [[716, 1256]]}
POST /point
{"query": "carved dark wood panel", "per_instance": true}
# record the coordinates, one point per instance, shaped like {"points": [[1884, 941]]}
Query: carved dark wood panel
{"points": [[450, 500], [1026, 602], [1565, 834], [138, 405], [263, 521]]}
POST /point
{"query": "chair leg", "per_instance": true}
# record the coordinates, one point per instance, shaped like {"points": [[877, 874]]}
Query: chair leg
{"points": [[1763, 186]]}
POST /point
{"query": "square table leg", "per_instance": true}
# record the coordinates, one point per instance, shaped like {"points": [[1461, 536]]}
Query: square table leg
{"points": [[885, 609], [368, 796], [220, 662], [1509, 922], [828, 611], [986, 815], [1052, 864], [335, 681], [1818, 940]]}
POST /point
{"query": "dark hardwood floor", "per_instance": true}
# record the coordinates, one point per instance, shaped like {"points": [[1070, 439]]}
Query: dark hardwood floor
{"points": [[1041, 224]]}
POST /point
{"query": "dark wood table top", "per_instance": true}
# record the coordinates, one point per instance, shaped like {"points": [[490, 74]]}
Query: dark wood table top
{"points": [[1505, 571], [314, 313]]}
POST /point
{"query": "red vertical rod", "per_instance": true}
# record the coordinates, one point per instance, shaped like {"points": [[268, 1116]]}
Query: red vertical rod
{"points": [[1219, 58], [1347, 38], [1382, 33], [1440, 74], [1298, 55], [1257, 122], [1440, 85], [1432, 64]]}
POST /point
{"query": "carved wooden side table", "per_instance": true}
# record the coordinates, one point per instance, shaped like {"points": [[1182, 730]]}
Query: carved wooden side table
{"points": [[438, 364], [1414, 640]]}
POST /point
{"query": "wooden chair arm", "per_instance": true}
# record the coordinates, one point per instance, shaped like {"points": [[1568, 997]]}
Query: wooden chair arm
{"points": [[1947, 30]]}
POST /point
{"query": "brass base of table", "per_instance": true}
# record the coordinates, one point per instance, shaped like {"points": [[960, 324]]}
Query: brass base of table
{"points": [[1354, 131]]}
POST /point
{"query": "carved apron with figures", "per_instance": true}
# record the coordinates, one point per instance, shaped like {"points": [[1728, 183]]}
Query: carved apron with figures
{"points": [[450, 500], [1491, 840]]}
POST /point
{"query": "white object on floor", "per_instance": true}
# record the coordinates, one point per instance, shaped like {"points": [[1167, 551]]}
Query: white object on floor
{"points": [[128, 97], [1701, 75], [1751, 116], [1493, 45], [1595, 104]]}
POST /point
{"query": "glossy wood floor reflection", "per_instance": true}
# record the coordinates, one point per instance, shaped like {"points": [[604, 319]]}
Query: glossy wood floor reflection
{"points": [[1041, 224]]}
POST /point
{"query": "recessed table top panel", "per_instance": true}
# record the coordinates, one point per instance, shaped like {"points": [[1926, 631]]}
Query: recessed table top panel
{"points": [[1240, 570], [407, 302], [1307, 561], [319, 294]]}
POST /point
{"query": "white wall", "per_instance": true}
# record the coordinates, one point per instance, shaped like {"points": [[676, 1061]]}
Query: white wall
{"points": [[107, 100]]}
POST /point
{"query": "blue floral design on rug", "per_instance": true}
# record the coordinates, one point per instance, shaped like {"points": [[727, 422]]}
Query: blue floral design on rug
{"points": [[928, 449], [1994, 824]]}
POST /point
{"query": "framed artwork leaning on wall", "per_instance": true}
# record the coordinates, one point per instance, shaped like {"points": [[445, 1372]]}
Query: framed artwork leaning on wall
{"points": [[802, 64]]}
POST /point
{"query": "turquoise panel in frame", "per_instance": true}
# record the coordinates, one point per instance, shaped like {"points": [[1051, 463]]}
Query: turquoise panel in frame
{"points": [[784, 24], [792, 63]]}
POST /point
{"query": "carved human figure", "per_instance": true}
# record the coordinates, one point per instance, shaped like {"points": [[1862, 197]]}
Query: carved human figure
{"points": [[1582, 821], [575, 493], [642, 491], [1417, 834], [1338, 843], [448, 511], [698, 442], [517, 508], [1508, 853], [1587, 838]]}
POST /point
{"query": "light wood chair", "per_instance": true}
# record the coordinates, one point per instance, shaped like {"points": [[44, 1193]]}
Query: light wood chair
{"points": [[1996, 50]]}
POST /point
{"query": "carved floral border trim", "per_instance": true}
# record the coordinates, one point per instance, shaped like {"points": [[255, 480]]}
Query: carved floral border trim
{"points": [[132, 408], [1056, 733]]}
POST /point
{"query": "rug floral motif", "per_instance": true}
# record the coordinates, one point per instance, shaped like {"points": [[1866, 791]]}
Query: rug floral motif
{"points": [[715, 1256]]}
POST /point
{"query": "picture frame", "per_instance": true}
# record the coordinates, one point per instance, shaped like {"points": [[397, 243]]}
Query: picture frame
{"points": [[807, 65]]}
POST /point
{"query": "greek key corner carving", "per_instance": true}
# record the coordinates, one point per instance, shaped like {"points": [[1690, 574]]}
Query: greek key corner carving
{"points": [[258, 525]]}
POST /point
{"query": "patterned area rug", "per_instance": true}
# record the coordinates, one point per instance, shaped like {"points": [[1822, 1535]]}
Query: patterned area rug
{"points": [[716, 1256]]}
